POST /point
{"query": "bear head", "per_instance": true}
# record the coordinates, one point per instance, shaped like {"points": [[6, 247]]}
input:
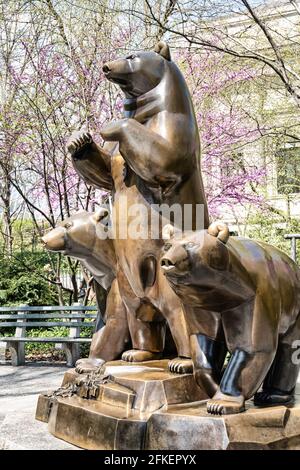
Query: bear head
{"points": [[76, 235], [140, 72], [196, 262]]}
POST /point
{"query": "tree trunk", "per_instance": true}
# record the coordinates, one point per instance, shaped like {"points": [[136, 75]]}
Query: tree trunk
{"points": [[7, 220]]}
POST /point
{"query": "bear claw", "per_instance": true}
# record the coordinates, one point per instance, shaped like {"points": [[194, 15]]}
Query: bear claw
{"points": [[223, 407], [272, 398], [180, 365], [78, 141]]}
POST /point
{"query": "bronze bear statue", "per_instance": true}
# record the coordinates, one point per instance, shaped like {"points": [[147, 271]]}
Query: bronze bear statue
{"points": [[151, 157], [83, 236], [250, 292]]}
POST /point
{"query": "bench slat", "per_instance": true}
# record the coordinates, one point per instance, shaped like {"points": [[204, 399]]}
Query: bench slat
{"points": [[45, 340], [71, 308], [45, 324], [33, 316]]}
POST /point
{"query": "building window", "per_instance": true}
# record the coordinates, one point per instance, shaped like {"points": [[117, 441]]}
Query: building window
{"points": [[288, 169]]}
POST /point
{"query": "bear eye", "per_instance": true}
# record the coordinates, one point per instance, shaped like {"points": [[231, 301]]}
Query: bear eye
{"points": [[167, 246], [131, 57], [68, 225], [189, 245]]}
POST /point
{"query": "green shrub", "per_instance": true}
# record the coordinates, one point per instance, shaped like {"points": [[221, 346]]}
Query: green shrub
{"points": [[22, 281], [44, 348], [30, 289], [21, 285], [56, 331]]}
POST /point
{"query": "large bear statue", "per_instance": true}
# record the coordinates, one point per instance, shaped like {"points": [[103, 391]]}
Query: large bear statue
{"points": [[83, 236], [151, 158], [250, 291]]}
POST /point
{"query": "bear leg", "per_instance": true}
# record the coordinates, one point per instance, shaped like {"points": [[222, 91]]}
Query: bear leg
{"points": [[279, 384], [148, 337], [241, 379], [208, 358], [111, 340]]}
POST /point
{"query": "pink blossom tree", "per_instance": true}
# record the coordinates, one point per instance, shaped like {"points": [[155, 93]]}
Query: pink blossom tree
{"points": [[225, 129], [56, 85], [53, 69]]}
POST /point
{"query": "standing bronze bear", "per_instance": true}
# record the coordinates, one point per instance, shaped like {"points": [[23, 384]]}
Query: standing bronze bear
{"points": [[151, 157], [251, 290]]}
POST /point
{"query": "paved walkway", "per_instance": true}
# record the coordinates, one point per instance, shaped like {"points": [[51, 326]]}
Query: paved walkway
{"points": [[19, 390]]}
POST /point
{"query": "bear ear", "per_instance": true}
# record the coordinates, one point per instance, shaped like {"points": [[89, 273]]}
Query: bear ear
{"points": [[100, 214], [219, 230], [168, 231], [163, 49]]}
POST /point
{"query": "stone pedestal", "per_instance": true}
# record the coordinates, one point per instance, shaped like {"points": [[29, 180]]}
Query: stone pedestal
{"points": [[189, 427], [117, 415], [144, 406]]}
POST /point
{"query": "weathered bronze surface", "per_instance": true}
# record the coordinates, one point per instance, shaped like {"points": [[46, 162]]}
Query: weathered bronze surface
{"points": [[152, 156], [79, 236], [144, 406], [251, 292], [113, 413]]}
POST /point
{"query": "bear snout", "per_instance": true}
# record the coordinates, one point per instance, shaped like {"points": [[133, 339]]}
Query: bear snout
{"points": [[117, 71], [166, 263], [174, 258], [54, 240], [106, 68]]}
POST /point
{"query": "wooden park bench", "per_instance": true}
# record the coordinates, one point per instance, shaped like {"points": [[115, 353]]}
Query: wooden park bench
{"points": [[23, 317]]}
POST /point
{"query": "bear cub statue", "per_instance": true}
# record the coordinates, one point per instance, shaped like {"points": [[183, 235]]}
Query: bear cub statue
{"points": [[252, 291], [84, 236]]}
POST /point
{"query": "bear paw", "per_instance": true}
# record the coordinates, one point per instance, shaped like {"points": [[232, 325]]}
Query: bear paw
{"points": [[78, 142], [273, 398], [113, 130], [181, 365], [225, 407], [138, 355], [85, 366]]}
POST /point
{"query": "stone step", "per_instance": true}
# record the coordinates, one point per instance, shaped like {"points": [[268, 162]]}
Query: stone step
{"points": [[93, 425], [145, 387], [117, 395]]}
